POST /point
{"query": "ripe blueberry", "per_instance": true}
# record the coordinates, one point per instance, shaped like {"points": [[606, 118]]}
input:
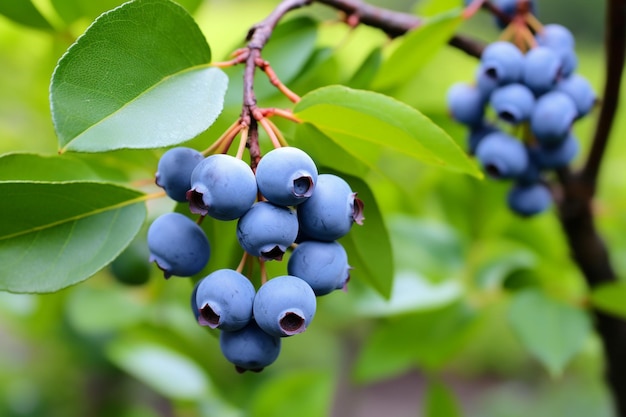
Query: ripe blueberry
{"points": [[513, 103], [178, 245], [284, 306], [224, 299], [286, 176], [250, 348], [553, 117], [322, 265], [502, 155], [466, 104], [223, 187], [528, 200]]}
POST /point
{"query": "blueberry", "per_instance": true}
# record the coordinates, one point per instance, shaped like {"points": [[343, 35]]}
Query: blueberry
{"points": [[553, 117], [509, 9], [266, 230], [466, 104], [580, 91], [322, 265], [513, 103], [528, 200], [502, 62], [250, 349], [286, 176], [178, 245], [542, 69], [284, 306], [223, 187], [560, 39], [560, 155], [330, 212], [174, 171], [224, 299], [502, 155], [194, 306]]}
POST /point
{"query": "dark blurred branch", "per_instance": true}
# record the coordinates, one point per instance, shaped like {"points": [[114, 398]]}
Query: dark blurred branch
{"points": [[576, 211]]}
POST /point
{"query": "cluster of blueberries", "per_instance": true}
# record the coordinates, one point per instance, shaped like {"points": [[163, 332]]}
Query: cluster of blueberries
{"points": [[534, 95], [284, 204]]}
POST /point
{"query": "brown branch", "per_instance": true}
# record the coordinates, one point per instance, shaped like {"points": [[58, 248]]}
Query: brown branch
{"points": [[587, 248], [615, 47]]}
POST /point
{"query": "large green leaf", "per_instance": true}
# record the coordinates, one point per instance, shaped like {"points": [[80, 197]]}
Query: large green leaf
{"points": [[53, 235], [24, 12], [139, 77], [369, 125], [167, 372], [610, 298], [369, 245], [551, 330], [33, 167], [417, 48]]}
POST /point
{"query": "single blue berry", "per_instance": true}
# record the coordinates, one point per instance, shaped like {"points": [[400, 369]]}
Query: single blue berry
{"points": [[174, 171], [552, 118], [330, 212], [284, 306], [322, 265], [580, 91], [266, 230], [503, 62], [502, 155], [510, 7], [560, 39], [466, 104], [513, 103], [475, 135], [224, 299], [286, 176], [542, 69], [250, 348], [178, 245], [529, 200], [223, 187]]}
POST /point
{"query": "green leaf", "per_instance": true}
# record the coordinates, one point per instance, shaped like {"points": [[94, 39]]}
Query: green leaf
{"points": [[435, 7], [426, 339], [610, 298], [364, 75], [25, 13], [369, 246], [308, 392], [368, 124], [169, 373], [440, 401], [417, 48], [33, 167], [53, 235], [551, 330], [137, 78]]}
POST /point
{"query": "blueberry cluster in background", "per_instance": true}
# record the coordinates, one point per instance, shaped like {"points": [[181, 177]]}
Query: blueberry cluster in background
{"points": [[520, 110], [284, 204]]}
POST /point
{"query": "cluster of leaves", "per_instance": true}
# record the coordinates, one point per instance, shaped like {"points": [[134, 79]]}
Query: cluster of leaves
{"points": [[141, 78]]}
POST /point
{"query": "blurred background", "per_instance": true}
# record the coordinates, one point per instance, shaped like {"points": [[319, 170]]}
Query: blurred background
{"points": [[125, 343]]}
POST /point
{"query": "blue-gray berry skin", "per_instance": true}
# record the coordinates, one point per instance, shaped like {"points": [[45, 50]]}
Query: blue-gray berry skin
{"points": [[502, 155], [466, 104], [552, 118], [561, 40], [580, 91], [266, 230], [330, 212], [284, 306], [542, 69], [503, 62], [475, 135], [250, 348], [174, 171], [513, 103], [178, 245], [529, 200], [224, 299], [509, 9], [223, 187], [322, 265], [286, 176], [560, 155]]}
